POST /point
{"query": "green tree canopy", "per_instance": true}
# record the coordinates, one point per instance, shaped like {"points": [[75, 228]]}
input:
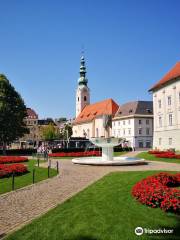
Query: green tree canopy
{"points": [[66, 132], [49, 132], [12, 112]]}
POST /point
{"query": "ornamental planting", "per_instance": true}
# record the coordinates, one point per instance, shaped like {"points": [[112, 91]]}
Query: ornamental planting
{"points": [[12, 159], [16, 169], [76, 154], [159, 191]]}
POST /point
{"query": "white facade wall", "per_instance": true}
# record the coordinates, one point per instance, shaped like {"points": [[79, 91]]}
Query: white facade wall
{"points": [[80, 129], [91, 129], [82, 98], [166, 103], [137, 131]]}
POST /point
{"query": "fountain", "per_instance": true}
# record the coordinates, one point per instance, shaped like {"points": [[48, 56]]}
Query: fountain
{"points": [[107, 144]]}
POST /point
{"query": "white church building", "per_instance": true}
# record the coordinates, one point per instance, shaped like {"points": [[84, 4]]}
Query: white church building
{"points": [[89, 117], [166, 104]]}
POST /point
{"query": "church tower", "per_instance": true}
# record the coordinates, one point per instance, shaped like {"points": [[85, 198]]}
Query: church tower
{"points": [[82, 92]]}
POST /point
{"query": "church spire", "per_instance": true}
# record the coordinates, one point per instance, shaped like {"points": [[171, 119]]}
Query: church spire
{"points": [[82, 79]]}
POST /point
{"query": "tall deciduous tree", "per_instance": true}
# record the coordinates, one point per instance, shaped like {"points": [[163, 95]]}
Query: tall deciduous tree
{"points": [[49, 132], [66, 132], [12, 113]]}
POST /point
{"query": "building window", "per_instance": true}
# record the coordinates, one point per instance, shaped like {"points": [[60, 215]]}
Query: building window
{"points": [[124, 122], [147, 131], [119, 133], [114, 133], [141, 144], [88, 133], [140, 121], [129, 131], [97, 132], [78, 99], [170, 141], [160, 140], [169, 100], [85, 98], [170, 119], [179, 97], [147, 121], [148, 144], [114, 123], [129, 121], [119, 123], [140, 131], [160, 121], [159, 103], [124, 132]]}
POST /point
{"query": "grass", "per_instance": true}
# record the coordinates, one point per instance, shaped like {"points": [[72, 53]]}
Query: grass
{"points": [[151, 157], [26, 179], [116, 154], [104, 211]]}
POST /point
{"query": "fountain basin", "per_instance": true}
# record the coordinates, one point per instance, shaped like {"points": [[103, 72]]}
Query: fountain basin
{"points": [[117, 161], [107, 145], [105, 142]]}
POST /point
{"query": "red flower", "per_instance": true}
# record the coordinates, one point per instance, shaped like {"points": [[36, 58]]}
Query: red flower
{"points": [[8, 170], [76, 154], [12, 159], [155, 191]]}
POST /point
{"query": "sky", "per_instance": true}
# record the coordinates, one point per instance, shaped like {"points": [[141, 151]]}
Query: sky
{"points": [[129, 45]]}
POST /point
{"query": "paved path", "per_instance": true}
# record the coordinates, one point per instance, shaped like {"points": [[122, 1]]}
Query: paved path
{"points": [[21, 206]]}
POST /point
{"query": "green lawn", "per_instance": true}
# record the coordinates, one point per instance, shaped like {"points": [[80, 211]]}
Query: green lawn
{"points": [[103, 211], [151, 157], [116, 154], [26, 179]]}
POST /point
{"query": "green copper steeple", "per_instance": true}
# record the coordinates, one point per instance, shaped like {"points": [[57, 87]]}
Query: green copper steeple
{"points": [[82, 79]]}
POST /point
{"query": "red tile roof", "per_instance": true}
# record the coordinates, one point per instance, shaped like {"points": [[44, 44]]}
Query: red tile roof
{"points": [[172, 74], [31, 113], [91, 111]]}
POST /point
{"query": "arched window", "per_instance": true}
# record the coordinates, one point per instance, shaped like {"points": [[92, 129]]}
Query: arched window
{"points": [[85, 98]]}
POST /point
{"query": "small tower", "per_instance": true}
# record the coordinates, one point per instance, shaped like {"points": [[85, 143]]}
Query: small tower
{"points": [[82, 92]]}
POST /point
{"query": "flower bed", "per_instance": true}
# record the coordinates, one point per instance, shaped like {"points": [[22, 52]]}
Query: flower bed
{"points": [[159, 191], [8, 170], [165, 154], [12, 159], [76, 154]]}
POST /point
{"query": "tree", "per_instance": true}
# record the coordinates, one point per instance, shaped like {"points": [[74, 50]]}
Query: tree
{"points": [[12, 113], [49, 132], [66, 132]]}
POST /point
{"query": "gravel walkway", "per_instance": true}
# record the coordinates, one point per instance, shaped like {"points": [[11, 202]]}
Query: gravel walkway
{"points": [[23, 205]]}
